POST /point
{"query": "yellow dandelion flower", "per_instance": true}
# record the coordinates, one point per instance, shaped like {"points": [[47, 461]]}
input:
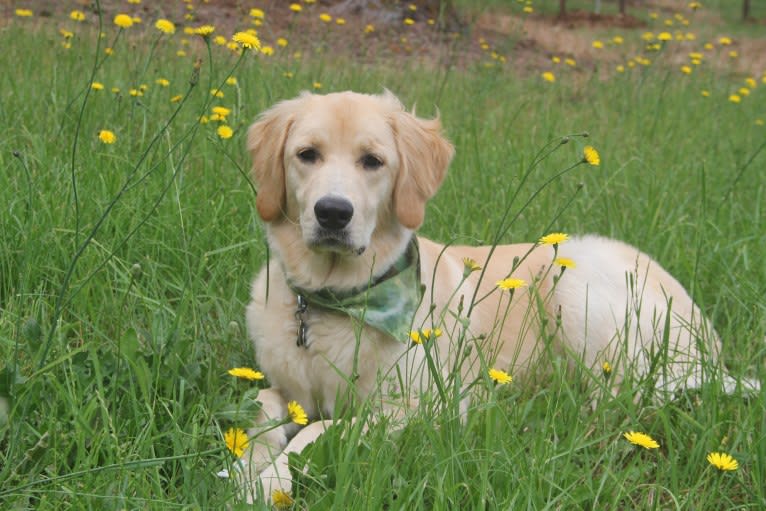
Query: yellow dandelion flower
{"points": [[176, 98], [750, 82], [340, 21], [23, 13], [743, 91], [232, 80], [165, 26], [687, 70], [162, 82], [409, 21], [735, 98], [247, 40], [281, 499], [123, 21], [694, 5], [115, 90], [134, 2], [606, 368], [97, 86], [565, 262], [236, 441], [648, 36], [426, 334], [107, 136], [246, 373], [288, 74], [733, 54], [325, 17], [555, 59], [511, 283], [181, 53], [267, 50], [597, 44], [554, 238], [705, 93], [204, 30], [500, 376], [620, 68], [296, 7], [221, 111], [412, 7], [570, 62], [224, 132], [257, 13], [618, 39], [724, 41], [528, 9], [135, 93], [759, 122], [641, 439], [77, 15], [722, 461], [282, 42], [317, 85], [665, 36], [204, 119], [549, 76], [218, 93], [297, 413], [470, 266], [591, 156]]}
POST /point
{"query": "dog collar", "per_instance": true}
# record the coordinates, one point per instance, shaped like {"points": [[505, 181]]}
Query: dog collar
{"points": [[387, 303]]}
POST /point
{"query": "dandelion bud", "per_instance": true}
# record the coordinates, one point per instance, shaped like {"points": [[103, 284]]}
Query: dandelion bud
{"points": [[233, 328], [16, 154], [195, 72], [564, 140], [135, 271], [586, 134]]}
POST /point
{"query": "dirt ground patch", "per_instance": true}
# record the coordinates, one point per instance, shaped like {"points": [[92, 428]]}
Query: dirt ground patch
{"points": [[527, 41]]}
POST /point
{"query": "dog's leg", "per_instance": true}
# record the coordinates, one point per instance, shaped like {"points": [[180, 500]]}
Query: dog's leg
{"points": [[266, 442], [277, 475]]}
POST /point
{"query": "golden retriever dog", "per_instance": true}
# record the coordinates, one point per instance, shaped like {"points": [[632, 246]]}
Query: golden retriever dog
{"points": [[343, 180]]}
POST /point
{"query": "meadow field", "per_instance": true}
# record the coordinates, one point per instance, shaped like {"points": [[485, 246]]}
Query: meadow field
{"points": [[129, 236]]}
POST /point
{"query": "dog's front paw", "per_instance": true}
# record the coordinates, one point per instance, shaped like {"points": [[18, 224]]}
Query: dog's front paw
{"points": [[277, 483]]}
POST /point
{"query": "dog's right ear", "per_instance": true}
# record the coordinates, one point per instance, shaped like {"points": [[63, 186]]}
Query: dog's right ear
{"points": [[266, 143]]}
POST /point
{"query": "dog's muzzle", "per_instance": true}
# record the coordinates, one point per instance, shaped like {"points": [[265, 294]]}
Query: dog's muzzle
{"points": [[333, 214]]}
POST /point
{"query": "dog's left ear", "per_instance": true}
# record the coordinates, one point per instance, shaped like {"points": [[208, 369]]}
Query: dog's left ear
{"points": [[266, 142], [425, 156]]}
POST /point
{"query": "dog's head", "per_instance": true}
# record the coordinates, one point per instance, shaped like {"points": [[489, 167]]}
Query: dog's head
{"points": [[344, 165]]}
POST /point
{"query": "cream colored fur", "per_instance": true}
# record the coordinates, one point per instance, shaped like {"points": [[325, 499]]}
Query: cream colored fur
{"points": [[611, 306]]}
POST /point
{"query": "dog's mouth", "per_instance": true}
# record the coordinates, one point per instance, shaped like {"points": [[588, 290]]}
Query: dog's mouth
{"points": [[338, 242]]}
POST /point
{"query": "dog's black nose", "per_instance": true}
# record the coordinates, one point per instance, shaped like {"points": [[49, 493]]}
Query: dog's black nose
{"points": [[333, 212]]}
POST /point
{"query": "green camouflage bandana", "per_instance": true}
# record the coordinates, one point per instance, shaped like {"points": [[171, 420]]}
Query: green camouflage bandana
{"points": [[388, 303]]}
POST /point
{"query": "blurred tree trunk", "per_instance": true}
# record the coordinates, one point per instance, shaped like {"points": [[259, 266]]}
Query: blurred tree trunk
{"points": [[622, 7], [562, 8], [745, 9]]}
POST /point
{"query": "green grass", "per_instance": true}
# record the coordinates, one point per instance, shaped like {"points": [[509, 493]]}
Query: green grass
{"points": [[125, 268]]}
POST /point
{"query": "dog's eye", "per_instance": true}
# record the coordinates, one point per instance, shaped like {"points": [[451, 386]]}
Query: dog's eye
{"points": [[371, 162], [309, 155]]}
